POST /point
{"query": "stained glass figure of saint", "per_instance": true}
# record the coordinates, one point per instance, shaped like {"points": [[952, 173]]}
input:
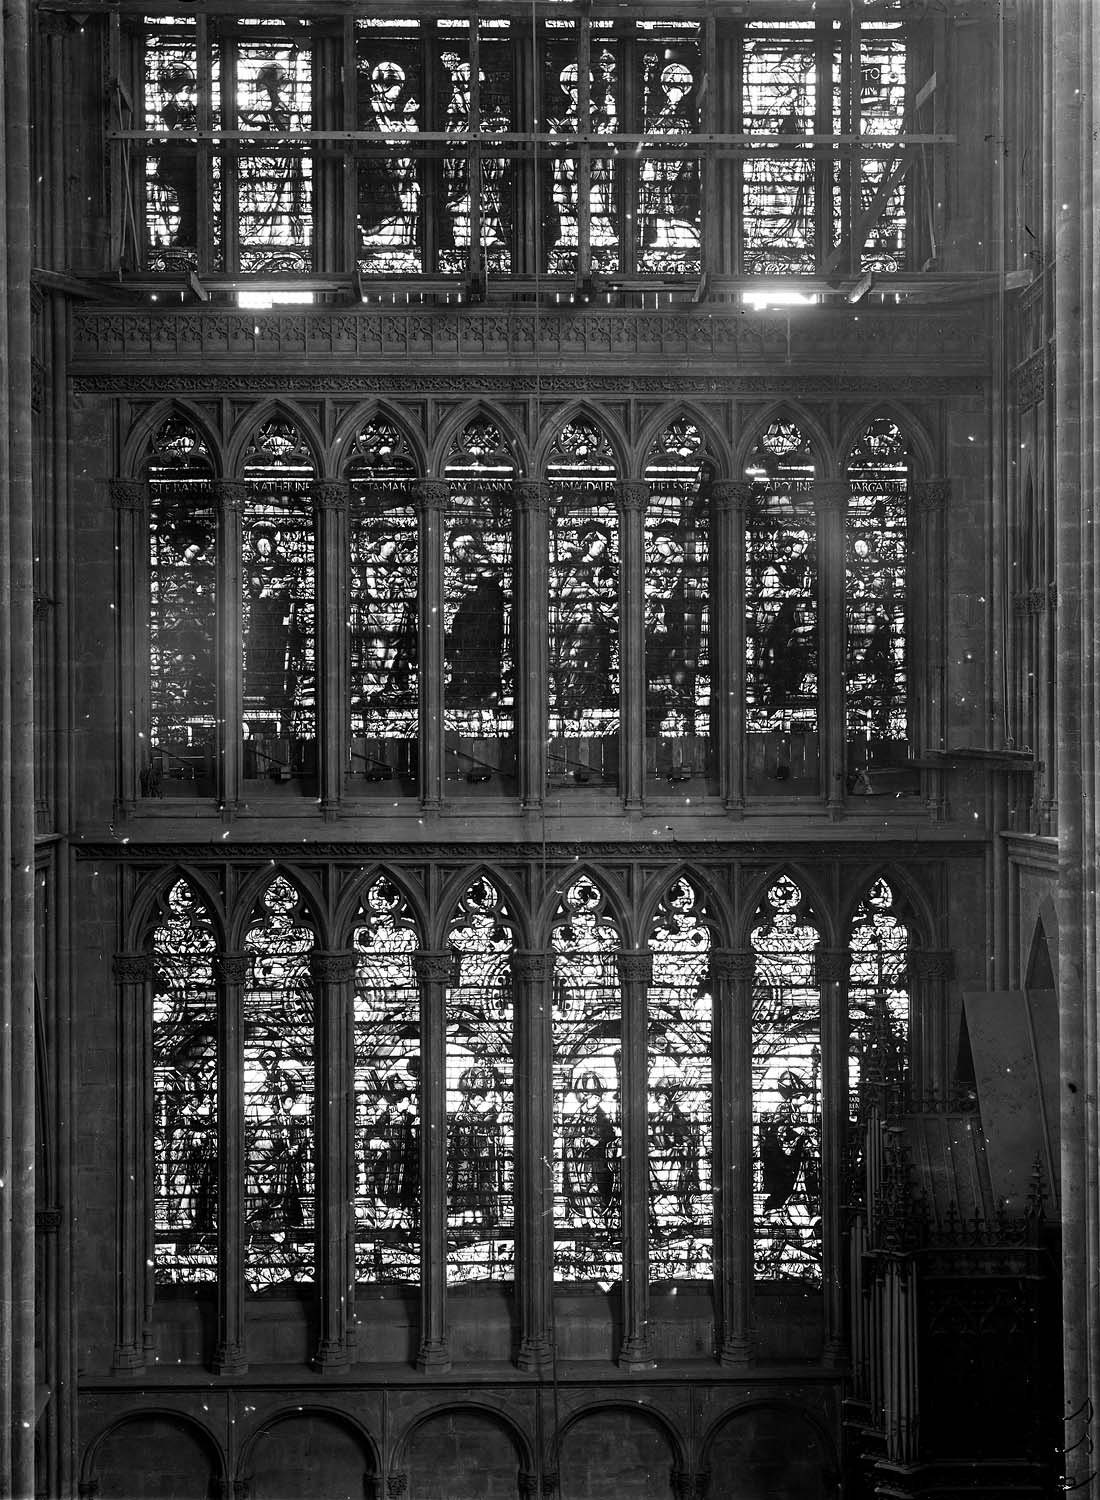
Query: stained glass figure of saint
{"points": [[389, 187], [474, 644], [276, 643], [564, 230], [175, 167], [587, 622], [669, 196]]}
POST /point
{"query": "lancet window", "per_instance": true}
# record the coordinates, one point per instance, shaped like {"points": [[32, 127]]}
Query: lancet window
{"points": [[185, 1090], [878, 1002], [577, 144]]}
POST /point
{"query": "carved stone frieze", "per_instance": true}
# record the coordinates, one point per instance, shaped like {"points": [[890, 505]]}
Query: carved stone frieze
{"points": [[635, 968], [441, 967], [732, 963], [233, 968], [832, 965], [133, 968], [930, 495], [331, 968], [931, 963], [128, 494]]}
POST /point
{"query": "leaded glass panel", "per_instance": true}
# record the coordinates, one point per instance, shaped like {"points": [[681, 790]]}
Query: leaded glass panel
{"points": [[781, 679], [387, 1088], [587, 1027], [185, 1092], [481, 218], [278, 608], [679, 1091], [480, 1093], [669, 195], [878, 1002], [882, 99], [478, 607], [578, 176], [279, 1089], [876, 593], [391, 93], [779, 97], [183, 689], [274, 190], [382, 618], [677, 606], [786, 1090], [172, 171], [584, 607]]}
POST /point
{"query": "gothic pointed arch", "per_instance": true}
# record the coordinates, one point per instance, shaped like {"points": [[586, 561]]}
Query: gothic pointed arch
{"points": [[581, 425], [373, 434], [275, 433], [351, 902], [918, 440], [151, 897], [148, 436], [660, 428], [474, 414], [782, 418]]}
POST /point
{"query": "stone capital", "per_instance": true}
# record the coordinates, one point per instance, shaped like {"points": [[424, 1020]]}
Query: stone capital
{"points": [[930, 495], [133, 968], [733, 963], [531, 496], [128, 494], [731, 495], [830, 494], [331, 967], [432, 494], [396, 1485], [437, 967], [230, 495], [330, 494], [530, 966], [931, 963], [635, 967], [832, 965], [632, 494], [233, 968]]}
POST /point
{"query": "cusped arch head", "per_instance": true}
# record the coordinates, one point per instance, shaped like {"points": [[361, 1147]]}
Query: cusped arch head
{"points": [[252, 423], [910, 901], [616, 907], [288, 1414], [785, 411], [352, 901], [583, 411], [716, 443], [792, 1417], [137, 448], [354, 422], [919, 443], [485, 1408], [152, 896], [473, 411], [253, 891], [813, 898], [202, 1435], [1041, 956], [648, 1412], [719, 912], [510, 892]]}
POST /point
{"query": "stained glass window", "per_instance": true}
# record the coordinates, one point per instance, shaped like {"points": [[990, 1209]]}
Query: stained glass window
{"points": [[587, 1021], [786, 1090], [780, 96], [274, 189], [882, 102], [278, 587], [391, 95], [172, 170], [781, 688], [183, 689], [876, 590], [279, 1089], [185, 1087], [580, 187], [878, 1001], [677, 606], [480, 1093], [387, 1088], [478, 693], [383, 639], [669, 190], [584, 607], [470, 217], [680, 1017]]}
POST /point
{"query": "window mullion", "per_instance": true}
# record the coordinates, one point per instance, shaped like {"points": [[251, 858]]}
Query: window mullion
{"points": [[635, 975]]}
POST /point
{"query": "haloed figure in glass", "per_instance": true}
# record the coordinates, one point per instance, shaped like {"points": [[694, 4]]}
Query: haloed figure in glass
{"points": [[389, 646], [591, 1145], [391, 1144], [389, 192], [475, 1163], [475, 643], [786, 637], [175, 165], [674, 1134], [283, 1114], [588, 605], [669, 189], [275, 652], [670, 657]]}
